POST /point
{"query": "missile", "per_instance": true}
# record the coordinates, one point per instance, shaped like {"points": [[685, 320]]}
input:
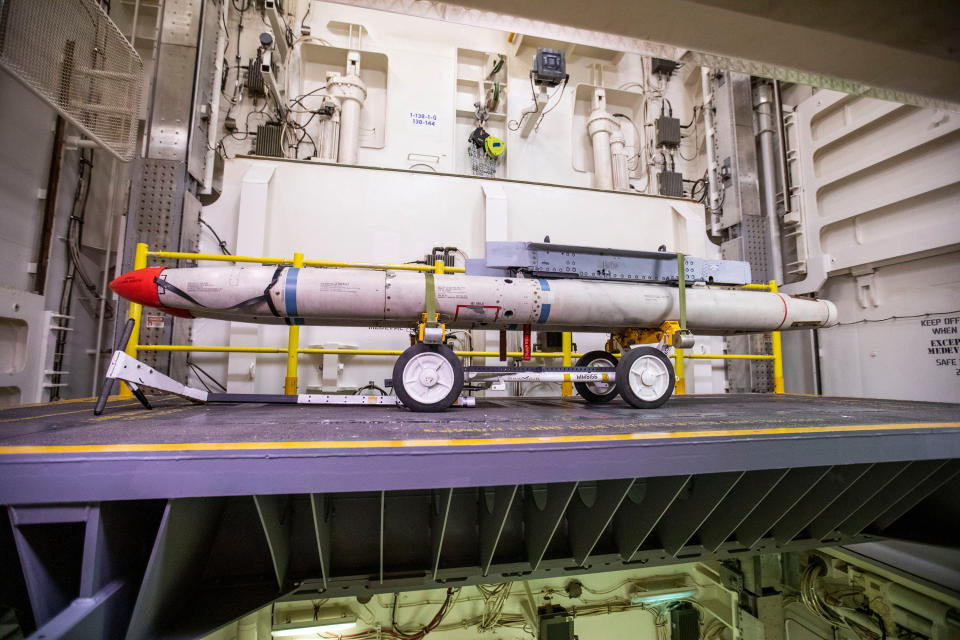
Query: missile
{"points": [[394, 298]]}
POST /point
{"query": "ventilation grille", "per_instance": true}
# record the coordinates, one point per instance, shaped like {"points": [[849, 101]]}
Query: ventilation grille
{"points": [[269, 140], [71, 54]]}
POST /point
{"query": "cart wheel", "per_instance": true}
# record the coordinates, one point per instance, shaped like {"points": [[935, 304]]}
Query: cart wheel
{"points": [[428, 377], [645, 377], [597, 392]]}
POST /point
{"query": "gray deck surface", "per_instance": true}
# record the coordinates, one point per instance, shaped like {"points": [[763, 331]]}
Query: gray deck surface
{"points": [[63, 453], [176, 421]]}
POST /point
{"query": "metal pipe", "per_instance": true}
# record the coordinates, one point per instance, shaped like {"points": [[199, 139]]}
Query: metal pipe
{"points": [[50, 206], [764, 109], [352, 92], [214, 115], [710, 132], [782, 139], [104, 289], [600, 127], [621, 177]]}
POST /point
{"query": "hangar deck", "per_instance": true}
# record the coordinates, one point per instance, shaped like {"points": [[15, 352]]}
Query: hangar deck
{"points": [[221, 509], [520, 441]]}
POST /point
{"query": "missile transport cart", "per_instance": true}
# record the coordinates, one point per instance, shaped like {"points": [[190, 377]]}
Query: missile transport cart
{"points": [[640, 298]]}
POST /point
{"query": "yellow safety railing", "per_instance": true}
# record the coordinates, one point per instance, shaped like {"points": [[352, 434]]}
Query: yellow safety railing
{"points": [[293, 349], [776, 348]]}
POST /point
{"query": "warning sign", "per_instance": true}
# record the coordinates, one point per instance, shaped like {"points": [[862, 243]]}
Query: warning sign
{"points": [[944, 341]]}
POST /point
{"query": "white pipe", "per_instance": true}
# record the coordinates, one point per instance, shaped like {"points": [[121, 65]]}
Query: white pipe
{"points": [[349, 132], [602, 162], [351, 91], [600, 126], [329, 134], [247, 627], [618, 154], [371, 298]]}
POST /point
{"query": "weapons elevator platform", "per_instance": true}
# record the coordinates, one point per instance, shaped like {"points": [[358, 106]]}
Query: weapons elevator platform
{"points": [[62, 452], [177, 520]]}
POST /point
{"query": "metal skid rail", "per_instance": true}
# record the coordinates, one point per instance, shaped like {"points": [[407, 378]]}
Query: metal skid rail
{"points": [[138, 375]]}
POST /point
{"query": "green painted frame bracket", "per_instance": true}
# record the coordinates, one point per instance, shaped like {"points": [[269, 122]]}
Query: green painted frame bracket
{"points": [[431, 300], [682, 284]]}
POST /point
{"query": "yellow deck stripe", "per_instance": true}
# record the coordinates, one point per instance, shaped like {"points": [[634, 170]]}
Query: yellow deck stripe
{"points": [[374, 444]]}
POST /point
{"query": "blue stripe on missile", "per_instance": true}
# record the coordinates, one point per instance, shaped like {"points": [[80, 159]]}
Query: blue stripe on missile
{"points": [[544, 313], [290, 291], [544, 309]]}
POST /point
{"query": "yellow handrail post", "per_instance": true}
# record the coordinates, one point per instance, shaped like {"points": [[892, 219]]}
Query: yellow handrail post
{"points": [[293, 344], [777, 353], [136, 310], [439, 267], [681, 386], [566, 387]]}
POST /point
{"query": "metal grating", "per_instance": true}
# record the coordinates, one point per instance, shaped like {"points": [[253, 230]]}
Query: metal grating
{"points": [[71, 54]]}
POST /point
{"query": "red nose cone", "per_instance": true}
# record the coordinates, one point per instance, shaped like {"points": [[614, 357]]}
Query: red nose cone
{"points": [[138, 286]]}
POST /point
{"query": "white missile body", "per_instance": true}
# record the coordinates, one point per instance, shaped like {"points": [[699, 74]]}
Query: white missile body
{"points": [[361, 297]]}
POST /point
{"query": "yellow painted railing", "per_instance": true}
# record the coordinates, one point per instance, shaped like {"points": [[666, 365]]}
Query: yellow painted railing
{"points": [[293, 349], [777, 355]]}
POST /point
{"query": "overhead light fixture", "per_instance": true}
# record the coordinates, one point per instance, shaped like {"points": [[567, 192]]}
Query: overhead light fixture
{"points": [[329, 625], [662, 596]]}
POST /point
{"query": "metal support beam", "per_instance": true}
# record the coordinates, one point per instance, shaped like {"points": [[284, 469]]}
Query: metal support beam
{"points": [[788, 493], [544, 507], [942, 476], [99, 615], [183, 542], [591, 512], [638, 516], [275, 520], [870, 484], [441, 513], [912, 477], [687, 514], [321, 530], [493, 517], [821, 496], [738, 505]]}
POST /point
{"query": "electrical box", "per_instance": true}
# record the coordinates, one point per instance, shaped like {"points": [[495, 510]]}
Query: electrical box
{"points": [[684, 622], [549, 67], [659, 66], [668, 132], [670, 183], [255, 76], [554, 623]]}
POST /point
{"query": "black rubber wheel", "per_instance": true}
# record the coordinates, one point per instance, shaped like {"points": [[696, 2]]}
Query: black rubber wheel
{"points": [[596, 358], [645, 377], [428, 377]]}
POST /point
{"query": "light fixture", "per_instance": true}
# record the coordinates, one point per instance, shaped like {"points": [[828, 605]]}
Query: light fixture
{"points": [[661, 596], [330, 625]]}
